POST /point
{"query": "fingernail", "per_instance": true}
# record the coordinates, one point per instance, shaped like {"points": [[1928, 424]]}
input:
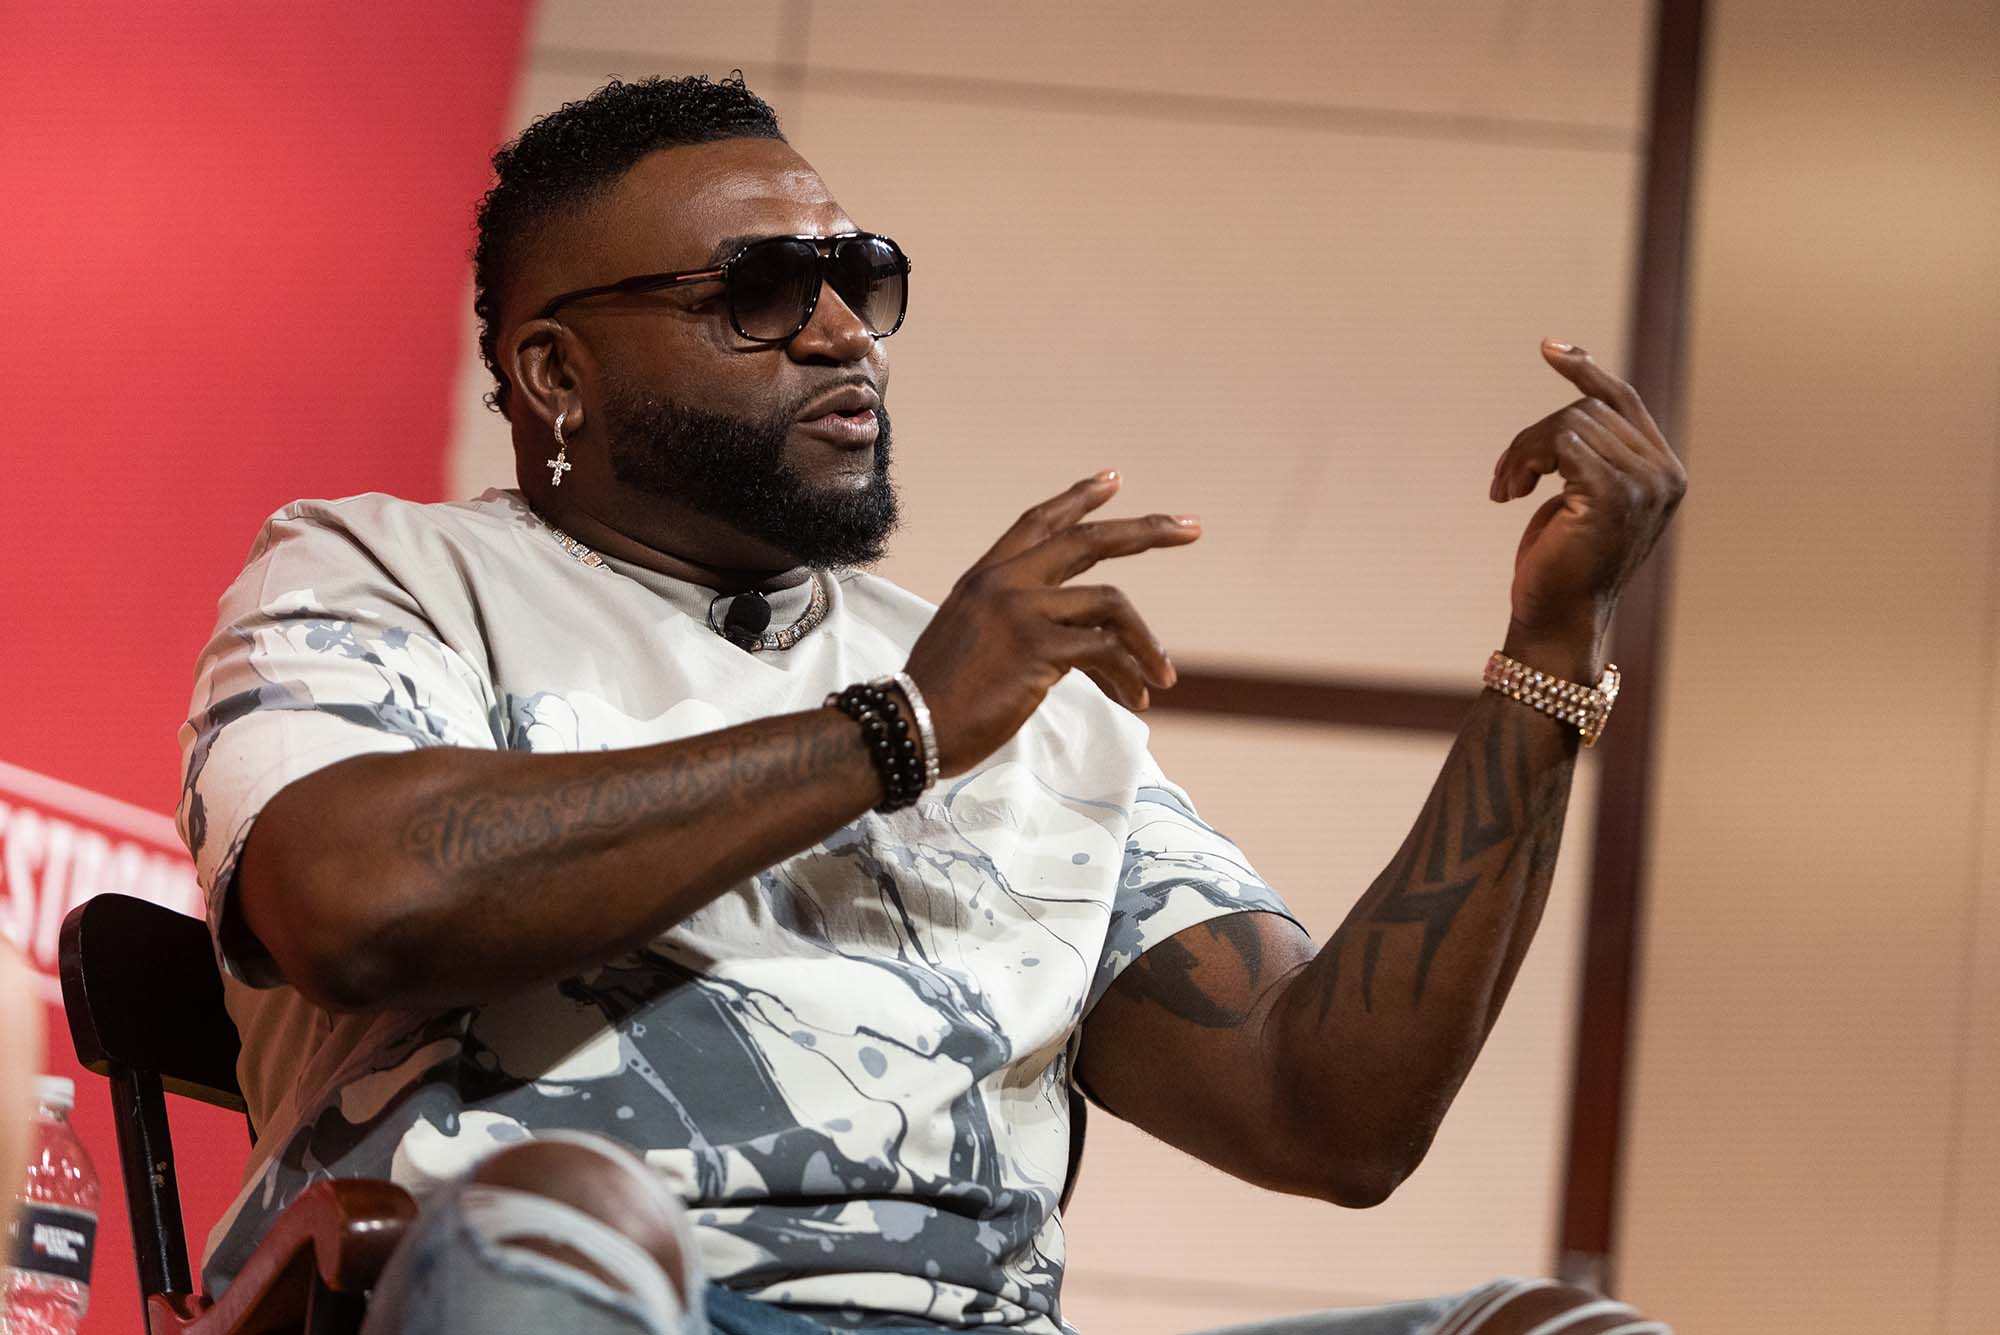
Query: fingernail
{"points": [[1107, 475], [1188, 521], [1173, 674]]}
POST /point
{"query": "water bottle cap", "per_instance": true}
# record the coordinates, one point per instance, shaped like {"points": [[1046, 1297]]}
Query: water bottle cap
{"points": [[56, 1091]]}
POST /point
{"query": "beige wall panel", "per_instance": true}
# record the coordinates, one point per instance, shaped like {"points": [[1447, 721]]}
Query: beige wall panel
{"points": [[1320, 342], [671, 36], [1578, 63], [1790, 1161], [1320, 811]]}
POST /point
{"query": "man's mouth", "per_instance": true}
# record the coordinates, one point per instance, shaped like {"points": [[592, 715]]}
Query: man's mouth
{"points": [[844, 417], [850, 430]]}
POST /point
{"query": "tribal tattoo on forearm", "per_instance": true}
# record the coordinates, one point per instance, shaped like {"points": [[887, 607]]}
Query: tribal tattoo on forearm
{"points": [[1491, 827]]}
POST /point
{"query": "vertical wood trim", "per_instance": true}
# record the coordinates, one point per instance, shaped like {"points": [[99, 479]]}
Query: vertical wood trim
{"points": [[1587, 1241]]}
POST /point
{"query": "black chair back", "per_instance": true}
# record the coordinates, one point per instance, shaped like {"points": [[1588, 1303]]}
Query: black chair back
{"points": [[145, 1010]]}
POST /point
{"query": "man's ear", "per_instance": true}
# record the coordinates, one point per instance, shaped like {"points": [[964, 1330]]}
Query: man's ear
{"points": [[541, 359]]}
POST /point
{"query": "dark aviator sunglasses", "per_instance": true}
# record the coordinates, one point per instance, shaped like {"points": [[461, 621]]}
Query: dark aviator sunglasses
{"points": [[772, 285]]}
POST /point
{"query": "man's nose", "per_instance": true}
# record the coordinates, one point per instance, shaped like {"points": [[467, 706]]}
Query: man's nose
{"points": [[835, 333]]}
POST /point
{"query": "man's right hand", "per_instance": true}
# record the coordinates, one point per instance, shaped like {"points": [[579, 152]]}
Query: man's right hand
{"points": [[1013, 625], [499, 870]]}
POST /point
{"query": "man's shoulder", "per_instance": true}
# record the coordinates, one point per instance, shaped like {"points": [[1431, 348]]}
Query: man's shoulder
{"points": [[377, 533], [376, 520], [355, 551]]}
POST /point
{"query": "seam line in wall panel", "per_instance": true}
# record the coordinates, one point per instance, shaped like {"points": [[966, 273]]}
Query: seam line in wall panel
{"points": [[794, 56], [1954, 1135], [1382, 122]]}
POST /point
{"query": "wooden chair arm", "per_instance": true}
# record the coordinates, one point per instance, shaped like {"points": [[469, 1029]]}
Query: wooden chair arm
{"points": [[341, 1231]]}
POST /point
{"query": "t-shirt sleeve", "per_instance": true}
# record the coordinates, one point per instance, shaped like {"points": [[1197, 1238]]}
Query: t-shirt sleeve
{"points": [[319, 654], [1179, 872]]}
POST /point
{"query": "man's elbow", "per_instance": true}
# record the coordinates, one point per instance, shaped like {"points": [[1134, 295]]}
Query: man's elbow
{"points": [[329, 968], [307, 922], [341, 985], [1360, 1186], [1359, 1175], [1353, 1146]]}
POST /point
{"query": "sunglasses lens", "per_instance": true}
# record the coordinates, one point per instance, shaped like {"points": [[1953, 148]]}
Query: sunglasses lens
{"points": [[870, 275], [770, 285], [773, 283]]}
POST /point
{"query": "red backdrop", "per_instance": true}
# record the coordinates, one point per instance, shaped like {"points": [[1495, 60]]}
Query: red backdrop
{"points": [[232, 271]]}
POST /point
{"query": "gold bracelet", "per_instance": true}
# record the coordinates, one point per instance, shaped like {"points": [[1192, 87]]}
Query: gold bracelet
{"points": [[1588, 707]]}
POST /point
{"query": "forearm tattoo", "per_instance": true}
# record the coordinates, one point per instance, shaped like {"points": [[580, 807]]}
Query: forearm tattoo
{"points": [[497, 830], [1492, 824], [1491, 827]]}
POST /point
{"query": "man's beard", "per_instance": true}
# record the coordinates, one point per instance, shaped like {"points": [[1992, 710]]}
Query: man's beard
{"points": [[733, 469]]}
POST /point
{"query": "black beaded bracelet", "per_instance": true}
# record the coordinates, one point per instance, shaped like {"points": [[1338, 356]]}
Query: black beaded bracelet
{"points": [[889, 743], [898, 760]]}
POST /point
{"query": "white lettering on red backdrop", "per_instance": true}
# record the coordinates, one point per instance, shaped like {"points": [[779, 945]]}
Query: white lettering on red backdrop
{"points": [[61, 844]]}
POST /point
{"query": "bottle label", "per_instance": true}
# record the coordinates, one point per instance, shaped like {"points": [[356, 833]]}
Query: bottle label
{"points": [[51, 1240]]}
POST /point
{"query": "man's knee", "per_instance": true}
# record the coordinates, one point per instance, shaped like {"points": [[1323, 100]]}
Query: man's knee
{"points": [[606, 1182], [1546, 1307]]}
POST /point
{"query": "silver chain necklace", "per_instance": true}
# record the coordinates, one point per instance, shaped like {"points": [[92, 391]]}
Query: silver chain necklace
{"points": [[571, 545], [768, 642]]}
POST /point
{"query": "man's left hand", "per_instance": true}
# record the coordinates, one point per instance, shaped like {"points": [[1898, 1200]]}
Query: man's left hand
{"points": [[1326, 1072], [1621, 482]]}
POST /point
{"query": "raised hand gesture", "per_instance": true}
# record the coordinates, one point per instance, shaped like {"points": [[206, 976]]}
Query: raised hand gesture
{"points": [[1013, 624], [1620, 484]]}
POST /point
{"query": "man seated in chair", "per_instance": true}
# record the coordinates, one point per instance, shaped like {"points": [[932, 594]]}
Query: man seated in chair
{"points": [[619, 843]]}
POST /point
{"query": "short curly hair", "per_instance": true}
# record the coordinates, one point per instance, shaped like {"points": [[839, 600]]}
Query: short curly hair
{"points": [[568, 157]]}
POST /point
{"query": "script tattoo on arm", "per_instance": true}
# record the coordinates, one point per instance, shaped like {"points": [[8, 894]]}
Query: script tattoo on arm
{"points": [[486, 830]]}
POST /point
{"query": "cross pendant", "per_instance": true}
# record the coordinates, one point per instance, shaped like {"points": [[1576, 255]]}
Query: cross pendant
{"points": [[557, 467]]}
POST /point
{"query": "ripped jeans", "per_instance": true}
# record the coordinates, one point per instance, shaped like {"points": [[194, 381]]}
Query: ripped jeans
{"points": [[463, 1270]]}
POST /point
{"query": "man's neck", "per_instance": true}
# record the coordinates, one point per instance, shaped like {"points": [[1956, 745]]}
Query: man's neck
{"points": [[664, 536]]}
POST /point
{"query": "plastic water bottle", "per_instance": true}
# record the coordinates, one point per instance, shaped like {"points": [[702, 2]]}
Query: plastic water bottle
{"points": [[46, 1284]]}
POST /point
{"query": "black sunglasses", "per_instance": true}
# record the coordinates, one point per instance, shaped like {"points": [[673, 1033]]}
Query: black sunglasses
{"points": [[772, 285]]}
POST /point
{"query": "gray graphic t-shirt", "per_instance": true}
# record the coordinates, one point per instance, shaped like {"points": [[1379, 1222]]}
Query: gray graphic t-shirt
{"points": [[854, 1067]]}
